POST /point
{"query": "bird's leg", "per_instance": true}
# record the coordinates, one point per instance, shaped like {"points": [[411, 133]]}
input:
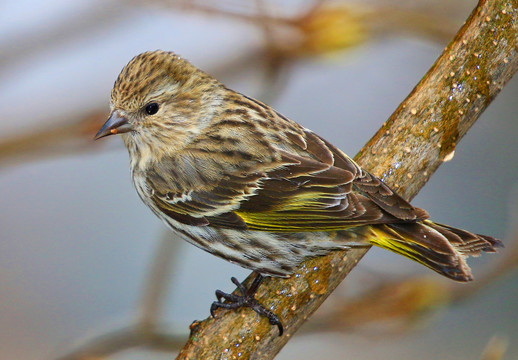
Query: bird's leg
{"points": [[246, 299]]}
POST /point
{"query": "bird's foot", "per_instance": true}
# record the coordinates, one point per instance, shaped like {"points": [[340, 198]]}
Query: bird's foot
{"points": [[246, 299]]}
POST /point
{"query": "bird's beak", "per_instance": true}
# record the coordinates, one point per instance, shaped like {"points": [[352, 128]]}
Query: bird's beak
{"points": [[116, 124]]}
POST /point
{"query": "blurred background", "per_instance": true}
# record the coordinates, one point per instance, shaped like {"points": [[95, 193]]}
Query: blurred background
{"points": [[86, 271]]}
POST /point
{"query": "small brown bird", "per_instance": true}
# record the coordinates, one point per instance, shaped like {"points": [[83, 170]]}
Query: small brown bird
{"points": [[236, 178]]}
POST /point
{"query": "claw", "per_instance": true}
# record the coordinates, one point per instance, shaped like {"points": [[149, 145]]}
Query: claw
{"points": [[246, 299]]}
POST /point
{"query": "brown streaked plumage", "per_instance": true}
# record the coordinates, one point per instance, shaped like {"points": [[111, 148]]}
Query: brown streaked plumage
{"points": [[236, 178]]}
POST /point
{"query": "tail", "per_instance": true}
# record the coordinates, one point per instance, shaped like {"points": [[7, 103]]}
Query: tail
{"points": [[442, 248]]}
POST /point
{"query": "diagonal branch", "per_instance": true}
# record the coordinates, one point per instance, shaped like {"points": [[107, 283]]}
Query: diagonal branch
{"points": [[405, 152]]}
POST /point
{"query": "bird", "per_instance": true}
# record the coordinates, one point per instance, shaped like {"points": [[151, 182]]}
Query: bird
{"points": [[238, 179]]}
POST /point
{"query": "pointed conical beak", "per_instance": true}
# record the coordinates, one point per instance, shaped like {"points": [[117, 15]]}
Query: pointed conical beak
{"points": [[116, 124]]}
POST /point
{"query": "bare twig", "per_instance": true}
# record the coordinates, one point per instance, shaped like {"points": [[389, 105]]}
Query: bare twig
{"points": [[418, 137]]}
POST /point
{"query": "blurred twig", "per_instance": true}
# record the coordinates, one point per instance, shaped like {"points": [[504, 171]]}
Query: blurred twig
{"points": [[146, 332], [392, 307], [405, 152], [326, 26], [103, 346], [495, 349], [63, 137], [158, 281], [25, 46]]}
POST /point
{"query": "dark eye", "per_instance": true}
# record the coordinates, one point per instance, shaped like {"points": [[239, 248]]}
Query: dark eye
{"points": [[151, 108]]}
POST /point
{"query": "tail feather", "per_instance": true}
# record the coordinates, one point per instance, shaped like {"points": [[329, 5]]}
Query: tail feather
{"points": [[442, 248], [465, 241]]}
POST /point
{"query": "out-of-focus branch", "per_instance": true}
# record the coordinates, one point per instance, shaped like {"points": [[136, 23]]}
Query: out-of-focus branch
{"points": [[64, 137], [123, 339], [418, 137], [158, 281], [146, 332], [495, 349], [107, 14], [406, 303]]}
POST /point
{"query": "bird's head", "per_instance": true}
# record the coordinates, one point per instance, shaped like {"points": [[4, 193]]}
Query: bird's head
{"points": [[160, 99]]}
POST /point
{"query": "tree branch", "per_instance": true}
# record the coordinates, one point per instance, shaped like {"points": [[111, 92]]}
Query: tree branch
{"points": [[418, 137]]}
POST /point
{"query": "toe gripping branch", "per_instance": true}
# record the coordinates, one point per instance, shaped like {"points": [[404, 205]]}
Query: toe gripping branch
{"points": [[246, 299]]}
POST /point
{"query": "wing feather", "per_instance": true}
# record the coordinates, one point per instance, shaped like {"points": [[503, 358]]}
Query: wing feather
{"points": [[312, 187]]}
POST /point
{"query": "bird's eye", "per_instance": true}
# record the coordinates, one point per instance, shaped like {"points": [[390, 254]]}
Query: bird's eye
{"points": [[151, 108]]}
